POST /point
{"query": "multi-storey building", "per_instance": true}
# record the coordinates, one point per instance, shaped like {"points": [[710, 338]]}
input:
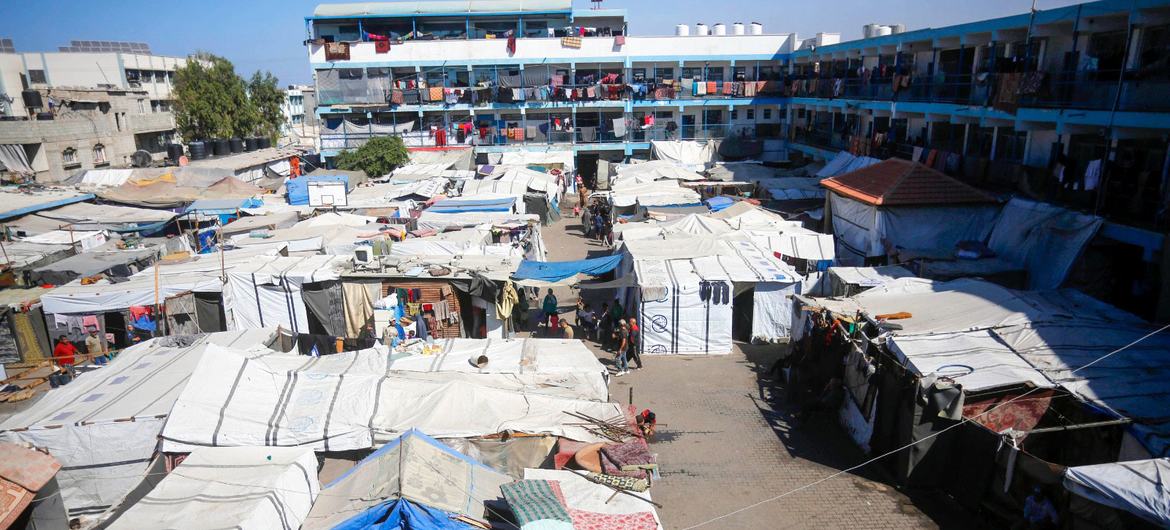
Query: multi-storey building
{"points": [[525, 75], [80, 109], [300, 118], [1068, 105]]}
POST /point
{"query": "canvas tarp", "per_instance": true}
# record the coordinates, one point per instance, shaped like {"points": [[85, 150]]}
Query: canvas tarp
{"points": [[547, 159], [844, 163], [359, 297], [414, 468], [862, 231], [652, 171], [105, 177], [1138, 487], [21, 254], [772, 307], [533, 180], [977, 360], [741, 172], [696, 155], [115, 262], [1043, 239], [674, 318], [349, 401], [666, 193], [104, 426], [247, 488], [88, 216], [555, 271], [266, 293], [270, 221], [475, 203]]}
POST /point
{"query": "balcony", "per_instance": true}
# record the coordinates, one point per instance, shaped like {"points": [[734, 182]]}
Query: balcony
{"points": [[147, 123], [547, 134], [1096, 90]]}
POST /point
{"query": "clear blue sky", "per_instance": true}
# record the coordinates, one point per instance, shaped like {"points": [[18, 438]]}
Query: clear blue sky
{"points": [[267, 34]]}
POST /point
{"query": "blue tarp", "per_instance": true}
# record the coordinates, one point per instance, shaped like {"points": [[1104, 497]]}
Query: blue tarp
{"points": [[555, 271], [298, 188], [402, 515], [504, 204], [719, 203]]}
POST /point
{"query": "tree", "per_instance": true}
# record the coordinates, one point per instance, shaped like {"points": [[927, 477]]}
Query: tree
{"points": [[210, 99], [379, 156], [267, 99]]}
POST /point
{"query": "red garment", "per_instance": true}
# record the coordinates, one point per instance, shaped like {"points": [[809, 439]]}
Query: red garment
{"points": [[512, 45], [63, 353], [440, 138], [137, 312], [381, 46]]}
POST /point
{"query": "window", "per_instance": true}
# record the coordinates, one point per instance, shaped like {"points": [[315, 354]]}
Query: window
{"points": [[740, 73], [142, 106], [69, 156], [767, 114], [663, 115], [37, 77], [664, 73], [734, 114], [133, 77], [689, 72], [99, 154], [714, 73], [751, 114], [639, 75]]}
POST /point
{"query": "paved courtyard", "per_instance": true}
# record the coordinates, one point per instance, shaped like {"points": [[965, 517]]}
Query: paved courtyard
{"points": [[729, 442]]}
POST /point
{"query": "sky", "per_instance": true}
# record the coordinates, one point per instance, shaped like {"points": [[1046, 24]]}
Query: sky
{"points": [[269, 34]]}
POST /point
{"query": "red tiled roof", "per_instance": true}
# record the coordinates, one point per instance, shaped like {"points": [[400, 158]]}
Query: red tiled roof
{"points": [[897, 182]]}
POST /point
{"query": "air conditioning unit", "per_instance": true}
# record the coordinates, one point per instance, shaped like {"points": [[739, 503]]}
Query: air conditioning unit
{"points": [[363, 255]]}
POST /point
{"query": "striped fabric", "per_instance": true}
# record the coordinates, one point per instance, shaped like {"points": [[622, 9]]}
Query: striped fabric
{"points": [[535, 500]]}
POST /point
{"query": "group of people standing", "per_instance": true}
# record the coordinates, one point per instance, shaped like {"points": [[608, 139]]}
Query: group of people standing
{"points": [[596, 223], [615, 331]]}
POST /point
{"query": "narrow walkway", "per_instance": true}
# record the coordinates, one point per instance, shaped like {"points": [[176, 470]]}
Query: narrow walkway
{"points": [[727, 443]]}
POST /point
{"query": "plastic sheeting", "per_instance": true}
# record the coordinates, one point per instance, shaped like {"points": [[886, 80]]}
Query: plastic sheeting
{"points": [[267, 293], [844, 163], [1042, 238], [415, 474], [664, 193], [474, 204], [977, 360], [352, 401], [555, 271], [772, 310], [106, 177], [696, 155], [1138, 487], [864, 231], [652, 171], [14, 159], [675, 319], [248, 488]]}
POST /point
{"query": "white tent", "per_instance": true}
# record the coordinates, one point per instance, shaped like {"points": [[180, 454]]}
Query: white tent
{"points": [[248, 488], [976, 359], [652, 171], [334, 219], [349, 401], [96, 178], [665, 193], [1041, 238], [1138, 487], [104, 426], [415, 470], [266, 293], [844, 163], [848, 281], [864, 230], [532, 179], [534, 158], [695, 155]]}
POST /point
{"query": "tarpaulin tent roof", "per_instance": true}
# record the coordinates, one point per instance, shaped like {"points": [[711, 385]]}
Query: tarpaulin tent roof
{"points": [[230, 487], [414, 468], [86, 215], [652, 171], [695, 155], [119, 410], [105, 177], [843, 163], [977, 360], [470, 204], [87, 264], [333, 239], [17, 203], [555, 271], [255, 222], [534, 158], [534, 180], [1138, 487], [870, 276], [175, 188], [478, 187], [794, 188], [19, 254], [1042, 238], [736, 261], [897, 182], [349, 401], [663, 193], [741, 171]]}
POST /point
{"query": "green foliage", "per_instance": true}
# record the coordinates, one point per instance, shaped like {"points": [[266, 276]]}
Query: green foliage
{"points": [[212, 101], [377, 157]]}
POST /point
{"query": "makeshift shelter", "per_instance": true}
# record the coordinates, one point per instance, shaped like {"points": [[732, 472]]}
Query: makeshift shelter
{"points": [[741, 171], [848, 281], [249, 488], [413, 482], [589, 501], [119, 411], [27, 475], [1137, 487], [552, 159], [112, 263], [176, 187], [685, 294], [351, 401], [875, 211], [85, 216], [663, 194], [17, 203], [845, 162], [250, 223], [651, 171], [278, 292], [695, 155]]}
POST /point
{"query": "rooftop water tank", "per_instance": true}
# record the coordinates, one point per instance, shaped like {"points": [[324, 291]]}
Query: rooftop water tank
{"points": [[898, 28], [720, 29], [882, 31], [737, 28], [682, 30], [869, 31], [701, 30], [757, 28]]}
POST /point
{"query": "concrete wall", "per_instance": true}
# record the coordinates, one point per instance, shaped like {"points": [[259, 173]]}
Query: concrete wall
{"points": [[10, 70]]}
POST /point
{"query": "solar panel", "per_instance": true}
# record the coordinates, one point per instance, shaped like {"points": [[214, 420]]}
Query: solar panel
{"points": [[105, 46], [6, 46]]}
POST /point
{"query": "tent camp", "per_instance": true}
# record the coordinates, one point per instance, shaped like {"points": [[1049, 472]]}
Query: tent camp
{"points": [[695, 155], [844, 162], [351, 401], [652, 171], [685, 294], [413, 482], [119, 411], [1137, 487], [249, 488], [896, 204], [114, 263], [87, 216]]}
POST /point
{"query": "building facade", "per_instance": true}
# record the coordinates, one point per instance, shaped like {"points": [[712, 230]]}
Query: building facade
{"points": [[534, 76], [300, 115], [1066, 105], [70, 111]]}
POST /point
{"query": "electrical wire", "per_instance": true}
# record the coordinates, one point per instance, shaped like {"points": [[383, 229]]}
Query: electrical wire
{"points": [[914, 443]]}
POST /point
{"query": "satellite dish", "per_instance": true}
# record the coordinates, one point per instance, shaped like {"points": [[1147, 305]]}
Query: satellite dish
{"points": [[141, 158]]}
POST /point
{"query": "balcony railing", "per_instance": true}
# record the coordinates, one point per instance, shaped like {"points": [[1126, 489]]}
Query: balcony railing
{"points": [[545, 134], [1096, 90]]}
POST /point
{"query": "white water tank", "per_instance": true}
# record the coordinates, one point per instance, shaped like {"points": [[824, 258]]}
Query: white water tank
{"points": [[898, 28], [682, 30], [737, 28], [869, 31], [701, 30], [882, 31], [757, 28], [720, 29]]}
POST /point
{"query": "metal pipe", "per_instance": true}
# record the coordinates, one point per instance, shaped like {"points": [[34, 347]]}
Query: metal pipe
{"points": [[1090, 425]]}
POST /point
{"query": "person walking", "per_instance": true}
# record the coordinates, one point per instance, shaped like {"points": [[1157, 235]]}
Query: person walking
{"points": [[64, 354], [95, 348], [606, 327], [635, 341], [623, 341], [549, 307]]}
